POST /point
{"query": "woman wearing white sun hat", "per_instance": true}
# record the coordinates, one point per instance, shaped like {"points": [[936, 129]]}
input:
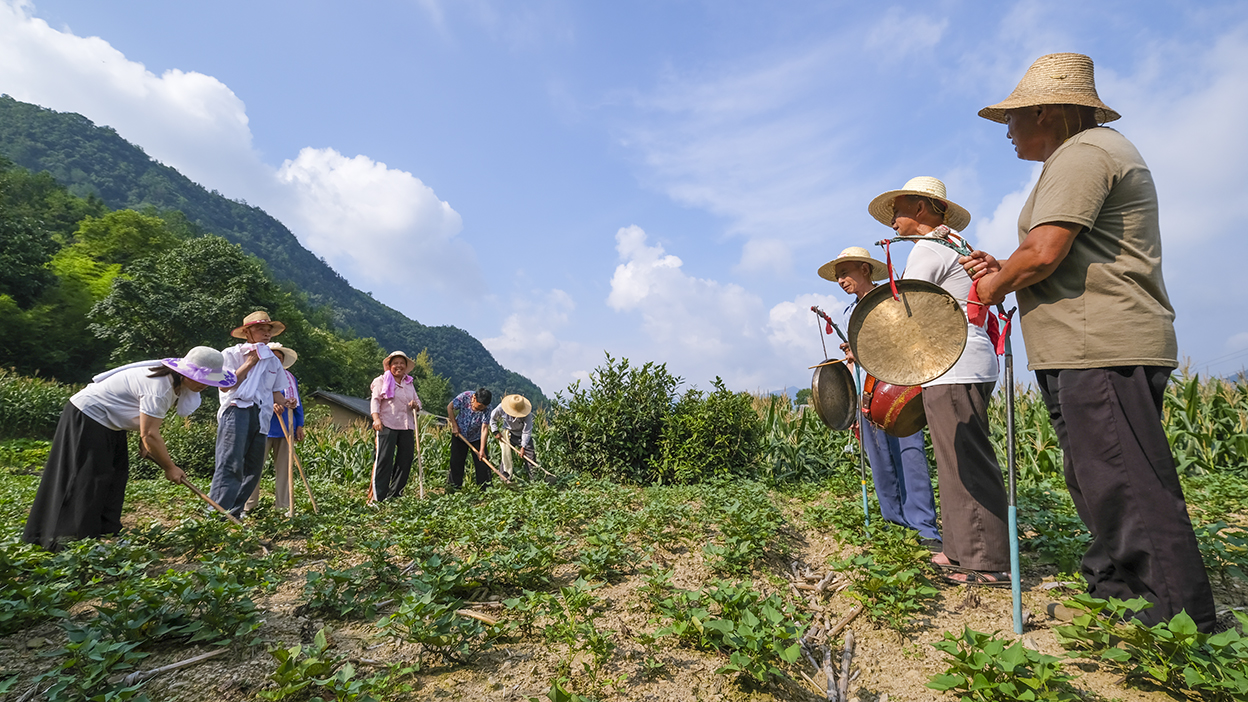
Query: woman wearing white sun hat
{"points": [[84, 481]]}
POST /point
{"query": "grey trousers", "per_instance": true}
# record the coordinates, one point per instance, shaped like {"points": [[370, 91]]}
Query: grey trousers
{"points": [[240, 457], [974, 507]]}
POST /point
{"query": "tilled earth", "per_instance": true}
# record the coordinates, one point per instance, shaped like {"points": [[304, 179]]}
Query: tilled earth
{"points": [[887, 665]]}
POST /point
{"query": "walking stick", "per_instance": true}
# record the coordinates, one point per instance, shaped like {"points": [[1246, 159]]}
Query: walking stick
{"points": [[420, 460], [1016, 586], [862, 454], [212, 502], [484, 460], [290, 440]]}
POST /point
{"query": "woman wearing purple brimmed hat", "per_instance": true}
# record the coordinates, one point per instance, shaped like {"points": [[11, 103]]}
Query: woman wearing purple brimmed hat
{"points": [[84, 480]]}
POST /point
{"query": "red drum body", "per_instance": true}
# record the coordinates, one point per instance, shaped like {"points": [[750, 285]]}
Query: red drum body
{"points": [[897, 409]]}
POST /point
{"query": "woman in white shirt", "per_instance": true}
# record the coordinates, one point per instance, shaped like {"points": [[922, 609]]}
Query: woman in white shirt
{"points": [[84, 481]]}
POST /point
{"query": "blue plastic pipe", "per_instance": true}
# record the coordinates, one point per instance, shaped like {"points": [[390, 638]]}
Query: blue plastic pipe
{"points": [[862, 456], [1016, 585]]}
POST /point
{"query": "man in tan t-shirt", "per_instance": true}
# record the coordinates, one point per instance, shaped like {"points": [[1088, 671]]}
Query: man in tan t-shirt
{"points": [[1099, 331]]}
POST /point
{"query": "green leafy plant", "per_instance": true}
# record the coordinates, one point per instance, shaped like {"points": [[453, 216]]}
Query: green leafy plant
{"points": [[757, 633], [984, 668], [890, 578], [1172, 654], [91, 661]]}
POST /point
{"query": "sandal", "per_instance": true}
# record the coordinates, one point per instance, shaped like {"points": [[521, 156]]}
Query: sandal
{"points": [[985, 578], [947, 565]]}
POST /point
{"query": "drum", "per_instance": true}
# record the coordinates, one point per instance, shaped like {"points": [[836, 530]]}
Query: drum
{"points": [[897, 409], [834, 396], [911, 340]]}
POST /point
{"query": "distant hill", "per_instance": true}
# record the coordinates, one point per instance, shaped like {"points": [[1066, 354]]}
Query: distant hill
{"points": [[93, 160]]}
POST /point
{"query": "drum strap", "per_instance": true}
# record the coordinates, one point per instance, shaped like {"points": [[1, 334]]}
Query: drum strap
{"points": [[940, 235]]}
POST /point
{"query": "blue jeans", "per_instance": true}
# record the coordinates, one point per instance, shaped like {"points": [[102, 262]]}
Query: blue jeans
{"points": [[240, 457], [903, 484]]}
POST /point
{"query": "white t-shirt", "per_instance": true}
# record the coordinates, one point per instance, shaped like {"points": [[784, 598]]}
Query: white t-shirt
{"points": [[937, 263], [116, 401]]}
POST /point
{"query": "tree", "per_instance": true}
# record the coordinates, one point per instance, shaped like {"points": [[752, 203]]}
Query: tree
{"points": [[433, 389], [25, 249], [803, 396], [190, 296], [124, 237]]}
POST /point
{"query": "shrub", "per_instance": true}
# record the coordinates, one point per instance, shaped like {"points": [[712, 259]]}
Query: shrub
{"points": [[710, 435], [613, 428], [30, 407]]}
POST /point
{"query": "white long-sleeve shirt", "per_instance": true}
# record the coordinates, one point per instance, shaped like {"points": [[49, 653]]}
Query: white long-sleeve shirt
{"points": [[264, 379]]}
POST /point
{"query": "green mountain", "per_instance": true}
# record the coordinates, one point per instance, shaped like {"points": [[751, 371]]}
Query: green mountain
{"points": [[93, 160]]}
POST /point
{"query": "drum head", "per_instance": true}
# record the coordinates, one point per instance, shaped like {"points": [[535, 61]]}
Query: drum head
{"points": [[910, 341], [834, 396]]}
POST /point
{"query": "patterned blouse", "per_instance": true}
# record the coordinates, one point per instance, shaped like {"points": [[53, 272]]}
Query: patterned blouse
{"points": [[468, 419]]}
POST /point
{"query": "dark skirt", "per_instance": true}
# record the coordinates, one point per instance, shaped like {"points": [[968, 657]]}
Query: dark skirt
{"points": [[83, 485]]}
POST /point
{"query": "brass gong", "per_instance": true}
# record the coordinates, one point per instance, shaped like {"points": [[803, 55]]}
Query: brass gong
{"points": [[834, 396], [911, 340]]}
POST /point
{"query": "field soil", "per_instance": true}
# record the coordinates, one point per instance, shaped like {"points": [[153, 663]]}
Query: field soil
{"points": [[887, 665]]}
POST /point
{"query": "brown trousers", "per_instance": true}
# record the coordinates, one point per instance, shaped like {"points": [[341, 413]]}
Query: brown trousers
{"points": [[973, 504]]}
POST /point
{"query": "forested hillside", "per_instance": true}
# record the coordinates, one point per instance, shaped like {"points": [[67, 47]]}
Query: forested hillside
{"points": [[95, 163]]}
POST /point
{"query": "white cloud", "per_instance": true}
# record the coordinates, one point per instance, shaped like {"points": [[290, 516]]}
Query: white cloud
{"points": [[998, 233], [378, 223], [795, 332], [529, 341], [355, 212], [904, 31]]}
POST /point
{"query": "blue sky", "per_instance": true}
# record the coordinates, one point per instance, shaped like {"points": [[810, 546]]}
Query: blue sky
{"points": [[656, 179]]}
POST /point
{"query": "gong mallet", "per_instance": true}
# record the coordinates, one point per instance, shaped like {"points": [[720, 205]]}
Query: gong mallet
{"points": [[1016, 585], [420, 460], [211, 501], [484, 460], [290, 442]]}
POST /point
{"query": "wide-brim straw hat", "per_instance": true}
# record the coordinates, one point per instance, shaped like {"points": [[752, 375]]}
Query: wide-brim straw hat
{"points": [[203, 365], [1055, 79], [288, 354], [956, 216], [516, 406], [252, 320], [879, 271], [395, 354]]}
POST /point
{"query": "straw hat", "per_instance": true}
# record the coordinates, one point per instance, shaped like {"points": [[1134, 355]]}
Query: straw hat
{"points": [[203, 365], [395, 354], [516, 406], [956, 216], [288, 354], [1054, 79], [255, 318], [854, 253]]}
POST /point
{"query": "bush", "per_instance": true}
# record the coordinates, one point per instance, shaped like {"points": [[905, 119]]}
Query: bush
{"points": [[30, 407], [710, 435], [613, 428]]}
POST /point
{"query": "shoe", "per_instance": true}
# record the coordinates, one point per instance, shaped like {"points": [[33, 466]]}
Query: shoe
{"points": [[985, 578], [1061, 612], [933, 545]]}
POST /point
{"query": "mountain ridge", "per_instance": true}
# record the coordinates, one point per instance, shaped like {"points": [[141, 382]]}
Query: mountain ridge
{"points": [[95, 160]]}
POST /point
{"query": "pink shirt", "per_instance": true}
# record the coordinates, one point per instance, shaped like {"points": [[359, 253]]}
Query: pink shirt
{"points": [[393, 411]]}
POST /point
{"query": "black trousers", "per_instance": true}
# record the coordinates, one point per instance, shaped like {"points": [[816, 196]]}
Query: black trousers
{"points": [[83, 485], [1122, 478], [392, 462], [459, 454]]}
